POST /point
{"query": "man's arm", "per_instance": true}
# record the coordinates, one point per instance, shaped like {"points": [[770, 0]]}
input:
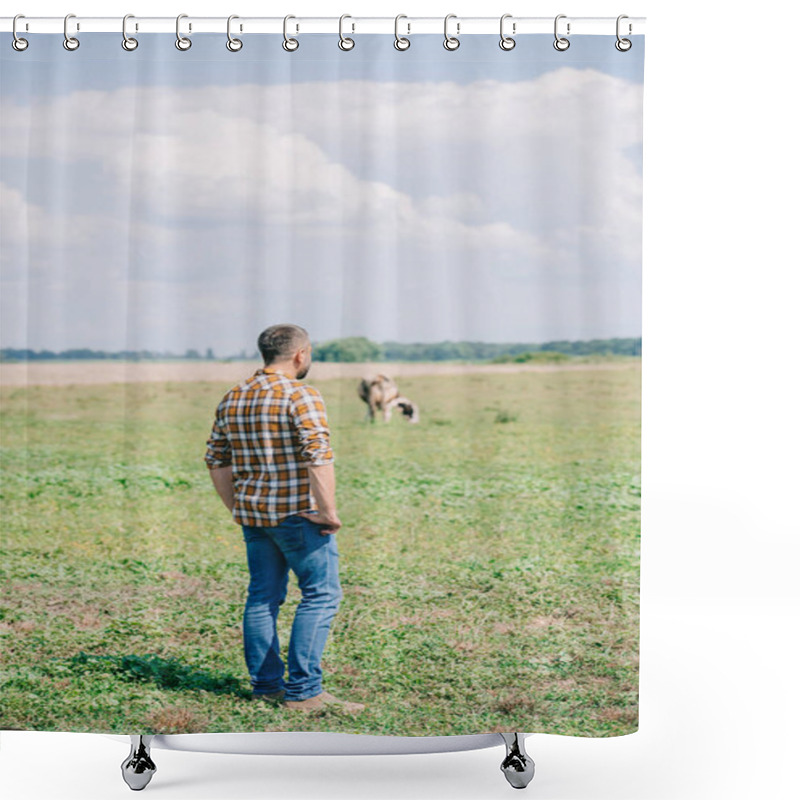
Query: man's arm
{"points": [[309, 417], [222, 478], [323, 485], [218, 461]]}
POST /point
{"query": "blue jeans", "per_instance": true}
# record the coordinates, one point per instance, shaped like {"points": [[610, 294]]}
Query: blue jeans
{"points": [[296, 544]]}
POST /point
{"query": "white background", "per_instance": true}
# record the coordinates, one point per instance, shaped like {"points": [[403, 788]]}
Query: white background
{"points": [[719, 698]]}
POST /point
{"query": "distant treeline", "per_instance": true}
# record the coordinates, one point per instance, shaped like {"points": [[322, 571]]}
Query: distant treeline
{"points": [[84, 354], [359, 348], [479, 351]]}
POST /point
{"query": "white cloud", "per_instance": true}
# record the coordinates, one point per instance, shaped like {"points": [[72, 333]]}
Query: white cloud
{"points": [[493, 190], [278, 154]]}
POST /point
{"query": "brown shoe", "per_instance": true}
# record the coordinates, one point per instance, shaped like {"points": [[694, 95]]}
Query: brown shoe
{"points": [[321, 701], [275, 698]]}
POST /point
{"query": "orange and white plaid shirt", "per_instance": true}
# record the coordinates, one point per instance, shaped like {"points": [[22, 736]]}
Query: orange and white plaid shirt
{"points": [[269, 428]]}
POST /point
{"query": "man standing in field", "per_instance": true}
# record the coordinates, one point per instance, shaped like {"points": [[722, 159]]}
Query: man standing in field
{"points": [[271, 462]]}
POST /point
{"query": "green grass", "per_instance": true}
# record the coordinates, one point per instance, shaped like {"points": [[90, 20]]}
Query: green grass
{"points": [[489, 560]]}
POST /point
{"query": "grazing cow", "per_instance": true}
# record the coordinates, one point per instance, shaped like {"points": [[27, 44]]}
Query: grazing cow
{"points": [[380, 393]]}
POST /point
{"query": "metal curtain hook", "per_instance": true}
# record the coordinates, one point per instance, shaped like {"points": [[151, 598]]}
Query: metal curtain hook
{"points": [[623, 45], [561, 43], [451, 42], [506, 42], [400, 42], [70, 42], [128, 42], [290, 45], [18, 43], [234, 45], [181, 42], [345, 43]]}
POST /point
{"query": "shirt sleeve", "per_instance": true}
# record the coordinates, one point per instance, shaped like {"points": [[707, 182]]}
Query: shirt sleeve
{"points": [[218, 446], [310, 421]]}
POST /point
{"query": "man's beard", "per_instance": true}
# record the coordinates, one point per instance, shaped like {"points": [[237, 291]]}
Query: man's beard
{"points": [[303, 372]]}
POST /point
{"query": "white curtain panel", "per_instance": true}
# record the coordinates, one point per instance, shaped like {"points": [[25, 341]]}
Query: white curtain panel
{"points": [[321, 380]]}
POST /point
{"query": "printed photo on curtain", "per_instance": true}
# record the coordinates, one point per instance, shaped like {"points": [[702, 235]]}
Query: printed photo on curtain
{"points": [[321, 380]]}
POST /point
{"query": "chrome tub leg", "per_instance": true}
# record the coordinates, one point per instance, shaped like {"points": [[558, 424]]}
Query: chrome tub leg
{"points": [[138, 768], [517, 766]]}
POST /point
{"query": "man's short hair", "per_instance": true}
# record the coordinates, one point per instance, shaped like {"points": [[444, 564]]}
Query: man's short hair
{"points": [[279, 342]]}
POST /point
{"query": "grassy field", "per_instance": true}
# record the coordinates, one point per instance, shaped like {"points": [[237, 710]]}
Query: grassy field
{"points": [[489, 560]]}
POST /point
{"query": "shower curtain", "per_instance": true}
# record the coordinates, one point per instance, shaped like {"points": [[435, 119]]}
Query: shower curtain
{"points": [[415, 268]]}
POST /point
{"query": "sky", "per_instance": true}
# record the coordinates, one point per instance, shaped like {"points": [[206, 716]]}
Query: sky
{"points": [[168, 200]]}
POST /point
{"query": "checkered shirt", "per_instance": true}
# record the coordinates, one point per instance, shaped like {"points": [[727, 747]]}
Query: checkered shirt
{"points": [[270, 428]]}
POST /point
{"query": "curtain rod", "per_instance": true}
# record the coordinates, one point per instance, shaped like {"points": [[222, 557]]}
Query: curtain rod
{"points": [[514, 26]]}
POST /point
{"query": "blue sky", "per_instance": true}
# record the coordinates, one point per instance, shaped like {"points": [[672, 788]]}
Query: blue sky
{"points": [[165, 200]]}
